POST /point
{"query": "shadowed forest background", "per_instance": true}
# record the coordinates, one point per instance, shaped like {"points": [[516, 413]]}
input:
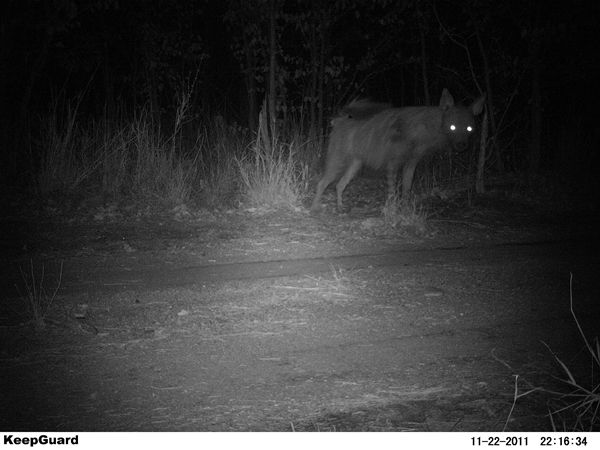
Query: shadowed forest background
{"points": [[197, 101]]}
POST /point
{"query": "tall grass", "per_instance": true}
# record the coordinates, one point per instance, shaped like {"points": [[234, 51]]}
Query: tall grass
{"points": [[273, 175], [63, 153], [579, 408], [155, 170], [131, 159], [576, 408], [204, 161], [218, 144]]}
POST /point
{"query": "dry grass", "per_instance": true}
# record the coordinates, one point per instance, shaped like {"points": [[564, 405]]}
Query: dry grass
{"points": [[399, 213], [272, 176], [579, 408], [35, 299]]}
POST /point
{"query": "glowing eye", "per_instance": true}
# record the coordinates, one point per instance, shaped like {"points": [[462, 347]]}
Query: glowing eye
{"points": [[469, 129], [452, 127]]}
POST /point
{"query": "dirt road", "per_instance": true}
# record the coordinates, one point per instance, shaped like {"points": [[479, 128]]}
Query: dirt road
{"points": [[421, 337]]}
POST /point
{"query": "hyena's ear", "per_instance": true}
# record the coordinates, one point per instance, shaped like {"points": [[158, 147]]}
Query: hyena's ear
{"points": [[446, 101], [477, 105]]}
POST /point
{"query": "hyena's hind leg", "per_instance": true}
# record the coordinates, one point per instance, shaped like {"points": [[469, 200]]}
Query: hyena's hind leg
{"points": [[392, 176], [332, 171], [351, 172]]}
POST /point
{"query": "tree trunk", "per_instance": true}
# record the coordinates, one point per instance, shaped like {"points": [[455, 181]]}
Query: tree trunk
{"points": [[272, 69], [34, 74], [152, 86], [109, 91], [251, 87], [488, 88], [314, 73], [536, 109], [479, 184], [421, 19], [322, 52]]}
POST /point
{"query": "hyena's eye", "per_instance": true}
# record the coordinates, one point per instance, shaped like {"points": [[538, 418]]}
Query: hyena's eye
{"points": [[453, 127], [469, 129]]}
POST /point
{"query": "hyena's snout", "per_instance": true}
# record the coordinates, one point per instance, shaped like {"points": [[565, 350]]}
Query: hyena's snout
{"points": [[461, 145]]}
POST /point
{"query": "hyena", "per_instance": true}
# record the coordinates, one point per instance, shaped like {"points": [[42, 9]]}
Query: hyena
{"points": [[375, 134]]}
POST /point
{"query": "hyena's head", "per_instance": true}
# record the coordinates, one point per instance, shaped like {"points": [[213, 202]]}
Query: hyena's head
{"points": [[458, 122]]}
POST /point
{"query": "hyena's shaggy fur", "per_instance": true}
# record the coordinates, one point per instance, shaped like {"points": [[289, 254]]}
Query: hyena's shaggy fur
{"points": [[377, 135]]}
